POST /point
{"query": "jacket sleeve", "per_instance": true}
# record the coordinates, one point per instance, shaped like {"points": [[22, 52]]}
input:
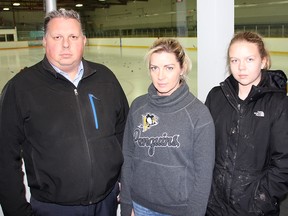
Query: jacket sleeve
{"points": [[122, 113], [12, 188], [209, 98], [128, 147], [203, 160], [274, 185]]}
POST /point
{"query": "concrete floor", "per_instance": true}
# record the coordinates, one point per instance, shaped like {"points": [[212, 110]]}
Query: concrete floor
{"points": [[127, 64]]}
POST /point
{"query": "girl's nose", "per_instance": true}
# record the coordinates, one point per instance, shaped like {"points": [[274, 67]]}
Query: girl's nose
{"points": [[242, 65]]}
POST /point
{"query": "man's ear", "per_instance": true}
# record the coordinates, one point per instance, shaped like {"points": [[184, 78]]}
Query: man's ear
{"points": [[85, 40], [44, 41]]}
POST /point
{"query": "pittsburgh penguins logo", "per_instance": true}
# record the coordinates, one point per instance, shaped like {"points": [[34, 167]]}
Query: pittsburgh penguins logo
{"points": [[148, 121]]}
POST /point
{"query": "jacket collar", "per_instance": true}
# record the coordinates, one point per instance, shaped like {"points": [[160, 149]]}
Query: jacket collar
{"points": [[271, 81], [48, 67]]}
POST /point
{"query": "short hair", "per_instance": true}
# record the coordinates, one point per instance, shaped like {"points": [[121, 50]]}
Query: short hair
{"points": [[173, 46], [61, 13], [255, 38]]}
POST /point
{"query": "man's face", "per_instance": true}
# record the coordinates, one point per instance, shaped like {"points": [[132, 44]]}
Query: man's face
{"points": [[64, 43]]}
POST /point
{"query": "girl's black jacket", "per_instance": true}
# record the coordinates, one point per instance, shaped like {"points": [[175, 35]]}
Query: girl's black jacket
{"points": [[70, 137], [251, 167]]}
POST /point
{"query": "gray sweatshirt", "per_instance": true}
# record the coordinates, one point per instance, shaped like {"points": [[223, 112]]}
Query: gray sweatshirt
{"points": [[169, 153]]}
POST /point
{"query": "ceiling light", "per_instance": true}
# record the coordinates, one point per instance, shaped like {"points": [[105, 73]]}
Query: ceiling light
{"points": [[79, 5], [16, 4], [102, 0], [6, 9]]}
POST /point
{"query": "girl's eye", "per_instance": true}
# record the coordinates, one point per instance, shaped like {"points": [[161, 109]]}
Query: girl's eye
{"points": [[250, 59], [233, 61]]}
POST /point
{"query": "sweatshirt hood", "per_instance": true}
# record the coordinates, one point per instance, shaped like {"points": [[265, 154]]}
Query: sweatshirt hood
{"points": [[177, 100]]}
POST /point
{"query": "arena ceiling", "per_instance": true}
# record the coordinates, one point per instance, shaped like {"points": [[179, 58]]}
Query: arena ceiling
{"points": [[90, 5], [37, 5]]}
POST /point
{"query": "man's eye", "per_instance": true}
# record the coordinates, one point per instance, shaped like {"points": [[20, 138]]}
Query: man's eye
{"points": [[57, 37], [73, 37]]}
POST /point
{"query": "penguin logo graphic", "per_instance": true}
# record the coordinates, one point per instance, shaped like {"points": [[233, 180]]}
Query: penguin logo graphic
{"points": [[149, 120]]}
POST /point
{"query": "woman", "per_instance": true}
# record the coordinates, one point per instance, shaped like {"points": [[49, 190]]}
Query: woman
{"points": [[168, 142], [250, 112]]}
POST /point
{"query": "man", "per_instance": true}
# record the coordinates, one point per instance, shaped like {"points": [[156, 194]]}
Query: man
{"points": [[65, 117]]}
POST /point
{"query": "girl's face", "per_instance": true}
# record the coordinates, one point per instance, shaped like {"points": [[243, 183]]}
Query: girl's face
{"points": [[246, 63], [165, 72]]}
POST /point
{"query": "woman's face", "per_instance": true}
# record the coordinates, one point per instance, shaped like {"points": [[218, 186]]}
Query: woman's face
{"points": [[165, 72], [246, 63]]}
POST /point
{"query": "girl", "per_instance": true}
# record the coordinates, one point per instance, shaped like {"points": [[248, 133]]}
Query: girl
{"points": [[250, 111]]}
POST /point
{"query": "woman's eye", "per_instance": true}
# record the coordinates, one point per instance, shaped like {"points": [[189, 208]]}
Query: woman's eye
{"points": [[169, 68], [153, 68], [234, 61]]}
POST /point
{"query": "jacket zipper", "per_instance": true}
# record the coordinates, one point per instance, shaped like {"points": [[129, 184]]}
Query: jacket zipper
{"points": [[237, 131], [91, 98], [87, 145]]}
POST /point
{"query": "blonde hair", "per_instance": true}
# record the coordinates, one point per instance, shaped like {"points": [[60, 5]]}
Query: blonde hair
{"points": [[171, 45]]}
